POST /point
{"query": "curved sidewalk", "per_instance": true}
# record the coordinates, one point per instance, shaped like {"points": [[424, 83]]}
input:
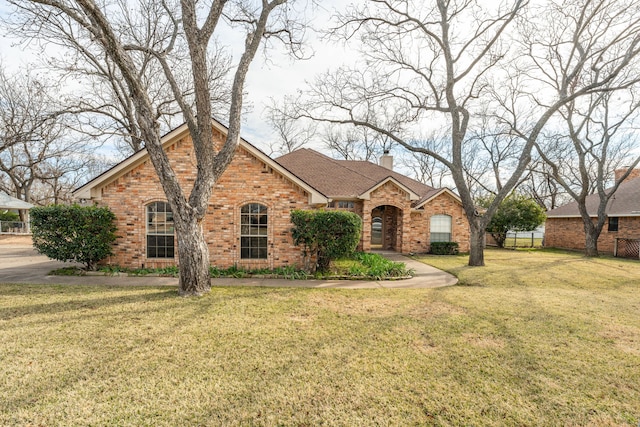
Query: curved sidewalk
{"points": [[21, 264]]}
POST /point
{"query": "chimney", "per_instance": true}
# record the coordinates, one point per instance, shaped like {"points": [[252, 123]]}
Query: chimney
{"points": [[386, 160], [635, 173]]}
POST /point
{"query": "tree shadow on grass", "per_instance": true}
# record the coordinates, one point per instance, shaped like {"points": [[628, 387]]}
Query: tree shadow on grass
{"points": [[70, 305]]}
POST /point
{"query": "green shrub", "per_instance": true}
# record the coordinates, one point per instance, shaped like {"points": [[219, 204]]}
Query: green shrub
{"points": [[368, 266], [9, 216], [7, 219], [444, 248], [325, 235], [73, 233], [515, 213]]}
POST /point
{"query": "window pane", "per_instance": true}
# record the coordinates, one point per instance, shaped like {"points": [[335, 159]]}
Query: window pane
{"points": [[160, 230], [253, 231], [440, 228], [440, 237]]}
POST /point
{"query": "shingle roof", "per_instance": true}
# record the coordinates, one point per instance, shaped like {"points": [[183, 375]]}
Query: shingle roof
{"points": [[8, 202], [345, 179], [626, 202]]}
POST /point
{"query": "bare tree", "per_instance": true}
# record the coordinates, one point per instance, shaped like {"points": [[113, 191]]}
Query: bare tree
{"points": [[105, 27], [598, 138], [33, 133], [539, 185], [427, 169], [292, 134], [446, 61], [26, 113], [355, 143], [100, 99], [62, 173]]}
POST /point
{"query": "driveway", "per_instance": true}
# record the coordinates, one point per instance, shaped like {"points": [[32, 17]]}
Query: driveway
{"points": [[20, 263]]}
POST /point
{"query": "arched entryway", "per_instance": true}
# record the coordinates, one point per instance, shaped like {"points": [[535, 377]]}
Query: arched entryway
{"points": [[386, 227]]}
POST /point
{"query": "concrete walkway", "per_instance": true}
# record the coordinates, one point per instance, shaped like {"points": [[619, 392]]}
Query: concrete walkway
{"points": [[20, 263]]}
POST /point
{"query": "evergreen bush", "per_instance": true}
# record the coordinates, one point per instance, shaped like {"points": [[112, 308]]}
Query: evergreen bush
{"points": [[73, 233], [326, 235], [444, 248]]}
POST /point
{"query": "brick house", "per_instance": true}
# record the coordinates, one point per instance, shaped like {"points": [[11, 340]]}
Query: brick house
{"points": [[564, 227], [247, 222]]}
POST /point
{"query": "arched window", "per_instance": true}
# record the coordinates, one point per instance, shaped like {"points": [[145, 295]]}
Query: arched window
{"points": [[253, 231], [160, 230], [440, 228]]}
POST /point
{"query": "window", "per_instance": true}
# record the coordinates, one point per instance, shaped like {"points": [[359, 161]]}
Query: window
{"points": [[613, 223], [342, 204], [160, 240], [440, 228], [345, 205], [253, 231]]}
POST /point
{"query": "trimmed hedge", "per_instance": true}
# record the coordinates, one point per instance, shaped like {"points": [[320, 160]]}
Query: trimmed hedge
{"points": [[444, 248], [73, 233], [325, 235]]}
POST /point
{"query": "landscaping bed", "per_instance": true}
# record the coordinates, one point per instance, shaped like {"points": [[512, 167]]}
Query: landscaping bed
{"points": [[361, 266]]}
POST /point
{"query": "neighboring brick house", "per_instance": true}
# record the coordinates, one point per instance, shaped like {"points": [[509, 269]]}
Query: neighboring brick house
{"points": [[564, 227], [248, 222]]}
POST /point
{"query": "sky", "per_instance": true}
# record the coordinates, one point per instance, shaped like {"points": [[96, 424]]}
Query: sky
{"points": [[272, 74]]}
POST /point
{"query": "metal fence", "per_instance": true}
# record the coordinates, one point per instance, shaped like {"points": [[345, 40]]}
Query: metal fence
{"points": [[626, 248], [521, 239], [14, 227]]}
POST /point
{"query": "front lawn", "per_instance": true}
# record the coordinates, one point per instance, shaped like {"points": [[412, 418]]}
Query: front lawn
{"points": [[534, 338]]}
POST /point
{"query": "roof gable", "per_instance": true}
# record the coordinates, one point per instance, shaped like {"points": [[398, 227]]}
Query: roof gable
{"points": [[435, 193], [410, 194], [92, 188]]}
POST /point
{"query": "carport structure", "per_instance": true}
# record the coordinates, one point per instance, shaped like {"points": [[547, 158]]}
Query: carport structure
{"points": [[11, 204]]}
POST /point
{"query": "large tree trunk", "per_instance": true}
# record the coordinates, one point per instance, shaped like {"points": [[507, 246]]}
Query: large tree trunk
{"points": [[193, 256], [591, 242], [476, 250], [591, 230], [592, 233]]}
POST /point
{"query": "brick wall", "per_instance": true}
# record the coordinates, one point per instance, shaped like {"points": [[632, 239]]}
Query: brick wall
{"points": [[397, 211], [444, 204], [568, 233], [413, 226], [246, 180], [249, 180]]}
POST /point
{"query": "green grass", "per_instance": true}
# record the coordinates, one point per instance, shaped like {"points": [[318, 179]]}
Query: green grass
{"points": [[369, 266], [535, 338]]}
